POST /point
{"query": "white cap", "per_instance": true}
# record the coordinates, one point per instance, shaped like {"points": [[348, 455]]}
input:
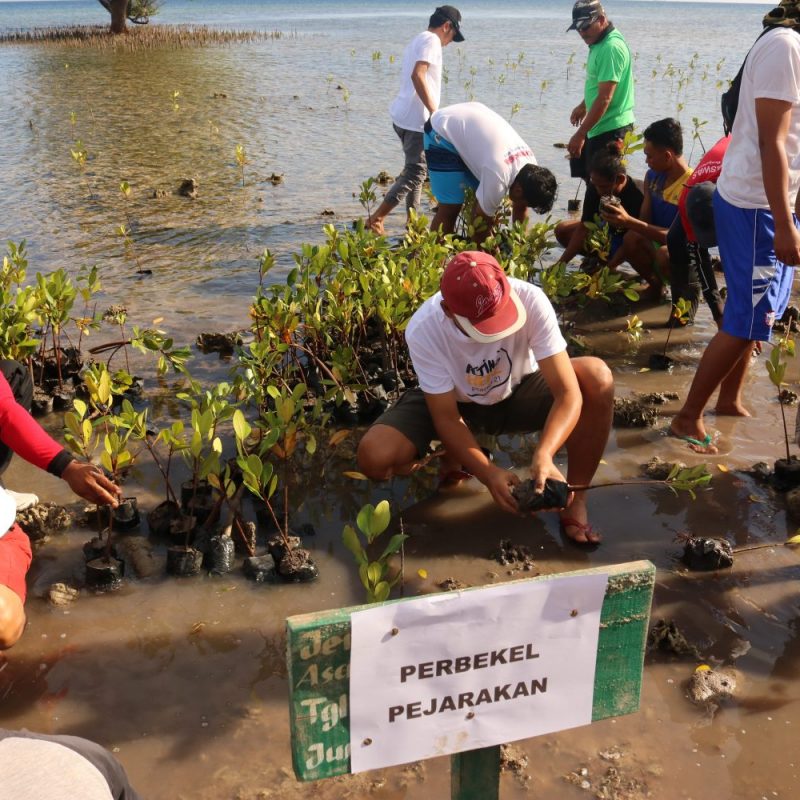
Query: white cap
{"points": [[8, 512]]}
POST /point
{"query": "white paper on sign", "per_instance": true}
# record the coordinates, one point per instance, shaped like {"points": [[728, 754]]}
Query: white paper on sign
{"points": [[458, 671]]}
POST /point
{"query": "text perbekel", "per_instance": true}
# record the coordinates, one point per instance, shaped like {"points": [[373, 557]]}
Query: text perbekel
{"points": [[461, 664]]}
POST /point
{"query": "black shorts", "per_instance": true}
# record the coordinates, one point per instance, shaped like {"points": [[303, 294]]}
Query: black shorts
{"points": [[579, 167], [524, 411]]}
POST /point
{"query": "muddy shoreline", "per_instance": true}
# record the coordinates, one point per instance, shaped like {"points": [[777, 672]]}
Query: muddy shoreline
{"points": [[183, 673]]}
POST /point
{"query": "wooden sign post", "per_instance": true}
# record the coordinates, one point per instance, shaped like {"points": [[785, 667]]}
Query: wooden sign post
{"points": [[318, 655]]}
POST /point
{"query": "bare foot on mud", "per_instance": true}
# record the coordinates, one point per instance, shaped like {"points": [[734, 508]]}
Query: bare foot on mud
{"points": [[731, 410], [694, 434], [574, 524]]}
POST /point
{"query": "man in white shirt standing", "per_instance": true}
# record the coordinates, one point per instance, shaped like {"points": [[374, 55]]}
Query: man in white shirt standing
{"points": [[756, 227], [468, 145], [419, 96], [490, 358]]}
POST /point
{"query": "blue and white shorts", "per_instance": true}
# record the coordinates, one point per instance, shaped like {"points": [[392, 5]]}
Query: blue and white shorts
{"points": [[758, 284], [449, 175]]}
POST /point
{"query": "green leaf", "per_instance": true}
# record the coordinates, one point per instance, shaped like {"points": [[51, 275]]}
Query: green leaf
{"points": [[105, 460], [374, 573], [362, 574], [395, 543], [353, 544], [381, 591], [241, 427], [373, 520], [254, 466]]}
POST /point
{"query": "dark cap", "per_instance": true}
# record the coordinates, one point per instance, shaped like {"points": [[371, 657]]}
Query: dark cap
{"points": [[700, 211], [785, 15], [584, 13], [448, 14]]}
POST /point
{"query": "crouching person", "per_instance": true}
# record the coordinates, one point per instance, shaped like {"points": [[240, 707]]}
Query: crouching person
{"points": [[490, 357], [21, 434]]}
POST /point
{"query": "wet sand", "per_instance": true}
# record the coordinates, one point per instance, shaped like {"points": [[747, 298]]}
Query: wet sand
{"points": [[185, 680]]}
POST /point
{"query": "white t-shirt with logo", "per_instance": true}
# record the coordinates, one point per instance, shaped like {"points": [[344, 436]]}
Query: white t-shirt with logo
{"points": [[492, 150], [771, 71], [445, 359], [407, 110]]}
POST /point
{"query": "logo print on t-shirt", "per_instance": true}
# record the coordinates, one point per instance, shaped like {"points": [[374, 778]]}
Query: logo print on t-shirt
{"points": [[490, 373]]}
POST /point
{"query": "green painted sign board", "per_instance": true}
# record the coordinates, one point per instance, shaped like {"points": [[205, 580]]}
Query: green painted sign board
{"points": [[318, 656]]}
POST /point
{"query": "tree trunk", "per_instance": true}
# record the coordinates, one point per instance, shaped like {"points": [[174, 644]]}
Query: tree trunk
{"points": [[119, 12]]}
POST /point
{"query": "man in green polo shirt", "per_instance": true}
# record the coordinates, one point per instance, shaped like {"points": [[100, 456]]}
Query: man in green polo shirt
{"points": [[606, 111]]}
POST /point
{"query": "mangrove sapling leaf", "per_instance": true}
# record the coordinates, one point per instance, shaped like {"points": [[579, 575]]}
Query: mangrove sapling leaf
{"points": [[366, 196], [356, 476], [373, 520], [681, 311], [381, 591], [241, 159], [794, 540], [679, 479], [241, 426], [395, 543], [353, 544], [634, 328], [776, 369], [632, 143]]}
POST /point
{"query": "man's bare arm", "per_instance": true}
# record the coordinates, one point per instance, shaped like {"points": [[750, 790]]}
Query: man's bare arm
{"points": [[419, 79], [773, 118]]}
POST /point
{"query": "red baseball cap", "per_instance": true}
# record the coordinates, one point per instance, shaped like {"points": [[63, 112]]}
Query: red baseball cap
{"points": [[477, 292]]}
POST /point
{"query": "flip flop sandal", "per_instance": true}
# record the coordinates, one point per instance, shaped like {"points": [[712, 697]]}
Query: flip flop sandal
{"points": [[453, 478]]}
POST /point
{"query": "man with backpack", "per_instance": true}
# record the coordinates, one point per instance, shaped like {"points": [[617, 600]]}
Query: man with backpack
{"points": [[757, 230]]}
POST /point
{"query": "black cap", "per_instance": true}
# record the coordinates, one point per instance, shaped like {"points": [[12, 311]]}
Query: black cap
{"points": [[452, 15], [584, 13]]}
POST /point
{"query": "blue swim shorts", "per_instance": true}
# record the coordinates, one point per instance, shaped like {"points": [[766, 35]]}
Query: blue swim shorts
{"points": [[449, 175], [758, 284]]}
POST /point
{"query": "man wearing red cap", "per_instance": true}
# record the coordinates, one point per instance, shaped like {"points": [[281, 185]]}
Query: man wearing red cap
{"points": [[490, 358]]}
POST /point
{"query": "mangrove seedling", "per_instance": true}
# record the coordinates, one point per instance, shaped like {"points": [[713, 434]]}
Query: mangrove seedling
{"points": [[241, 159], [367, 197], [787, 471], [697, 125], [372, 521], [115, 457], [117, 315], [125, 231], [679, 316], [17, 307], [79, 154], [280, 431], [634, 328], [556, 493], [55, 295]]}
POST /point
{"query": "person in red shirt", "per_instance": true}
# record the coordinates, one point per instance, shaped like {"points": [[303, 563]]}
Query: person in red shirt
{"points": [[692, 233], [21, 434]]}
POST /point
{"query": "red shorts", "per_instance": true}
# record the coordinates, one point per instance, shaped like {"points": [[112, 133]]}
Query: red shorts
{"points": [[15, 558]]}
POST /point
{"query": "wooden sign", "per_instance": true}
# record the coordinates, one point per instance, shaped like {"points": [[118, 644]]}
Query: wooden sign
{"points": [[318, 654]]}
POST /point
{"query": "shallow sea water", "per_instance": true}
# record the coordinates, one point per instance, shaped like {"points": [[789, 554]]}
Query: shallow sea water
{"points": [[201, 712]]}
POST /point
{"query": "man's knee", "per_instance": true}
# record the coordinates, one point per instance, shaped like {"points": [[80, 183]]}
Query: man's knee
{"points": [[383, 452], [563, 232], [12, 618], [594, 377]]}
